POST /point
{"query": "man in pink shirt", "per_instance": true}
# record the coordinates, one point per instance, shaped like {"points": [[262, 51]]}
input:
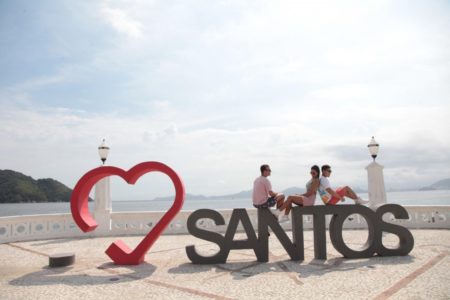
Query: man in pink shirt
{"points": [[263, 196]]}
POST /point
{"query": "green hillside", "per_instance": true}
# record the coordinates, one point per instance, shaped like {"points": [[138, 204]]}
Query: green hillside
{"points": [[16, 187]]}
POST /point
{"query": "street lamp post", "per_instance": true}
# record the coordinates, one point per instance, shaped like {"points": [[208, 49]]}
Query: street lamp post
{"points": [[103, 151], [102, 199], [377, 191], [373, 148]]}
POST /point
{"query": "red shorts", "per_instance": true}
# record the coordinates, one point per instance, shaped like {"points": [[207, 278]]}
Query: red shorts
{"points": [[341, 192]]}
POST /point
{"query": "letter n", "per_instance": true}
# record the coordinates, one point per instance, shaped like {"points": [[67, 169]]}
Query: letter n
{"points": [[265, 220]]}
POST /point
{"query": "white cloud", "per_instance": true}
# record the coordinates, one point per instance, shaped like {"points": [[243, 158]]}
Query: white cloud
{"points": [[64, 146], [122, 22], [215, 89]]}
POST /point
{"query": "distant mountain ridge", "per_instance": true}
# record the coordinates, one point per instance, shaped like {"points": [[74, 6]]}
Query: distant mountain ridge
{"points": [[443, 184], [241, 195], [16, 187]]}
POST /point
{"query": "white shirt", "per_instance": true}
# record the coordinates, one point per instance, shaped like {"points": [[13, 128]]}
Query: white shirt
{"points": [[324, 184]]}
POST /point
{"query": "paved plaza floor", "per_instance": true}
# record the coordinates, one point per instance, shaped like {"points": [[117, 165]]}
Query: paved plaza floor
{"points": [[168, 274]]}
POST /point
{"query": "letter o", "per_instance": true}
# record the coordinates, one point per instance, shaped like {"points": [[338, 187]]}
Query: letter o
{"points": [[336, 226]]}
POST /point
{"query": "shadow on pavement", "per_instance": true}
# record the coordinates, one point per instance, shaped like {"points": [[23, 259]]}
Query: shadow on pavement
{"points": [[244, 270], [71, 276], [59, 241]]}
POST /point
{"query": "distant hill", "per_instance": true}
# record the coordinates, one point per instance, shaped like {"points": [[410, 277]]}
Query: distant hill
{"points": [[16, 187], [293, 190], [443, 184], [247, 194]]}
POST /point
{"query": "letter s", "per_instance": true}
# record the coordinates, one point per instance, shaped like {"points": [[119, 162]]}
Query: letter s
{"points": [[406, 238], [214, 237]]}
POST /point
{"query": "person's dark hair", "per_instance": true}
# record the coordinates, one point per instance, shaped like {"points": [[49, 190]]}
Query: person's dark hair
{"points": [[325, 167], [316, 168], [263, 168]]}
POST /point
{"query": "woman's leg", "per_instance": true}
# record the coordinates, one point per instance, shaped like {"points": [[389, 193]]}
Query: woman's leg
{"points": [[297, 199], [280, 201], [287, 206]]}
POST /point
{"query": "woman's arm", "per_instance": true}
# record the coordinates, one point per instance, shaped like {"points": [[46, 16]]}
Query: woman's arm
{"points": [[313, 189]]}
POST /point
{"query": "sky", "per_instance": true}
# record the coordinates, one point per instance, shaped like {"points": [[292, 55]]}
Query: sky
{"points": [[214, 89]]}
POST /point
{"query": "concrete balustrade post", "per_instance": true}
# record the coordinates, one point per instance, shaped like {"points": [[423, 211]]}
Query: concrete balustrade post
{"points": [[377, 191], [103, 207]]}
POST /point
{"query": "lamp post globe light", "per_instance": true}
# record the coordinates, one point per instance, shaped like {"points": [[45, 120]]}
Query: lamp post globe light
{"points": [[103, 151], [373, 148]]}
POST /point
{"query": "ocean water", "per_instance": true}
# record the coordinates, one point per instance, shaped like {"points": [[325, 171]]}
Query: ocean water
{"points": [[440, 197]]}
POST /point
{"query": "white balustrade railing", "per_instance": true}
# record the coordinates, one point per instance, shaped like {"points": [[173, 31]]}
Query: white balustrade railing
{"points": [[39, 227]]}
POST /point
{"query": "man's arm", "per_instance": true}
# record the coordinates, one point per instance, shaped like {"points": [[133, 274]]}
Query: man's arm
{"points": [[272, 194], [269, 189]]}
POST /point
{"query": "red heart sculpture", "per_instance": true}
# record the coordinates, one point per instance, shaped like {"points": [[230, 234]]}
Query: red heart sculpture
{"points": [[118, 251]]}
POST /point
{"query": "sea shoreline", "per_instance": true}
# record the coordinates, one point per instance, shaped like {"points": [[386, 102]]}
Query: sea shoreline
{"points": [[438, 197]]}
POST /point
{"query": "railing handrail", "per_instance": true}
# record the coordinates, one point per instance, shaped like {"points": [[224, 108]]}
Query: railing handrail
{"points": [[49, 226]]}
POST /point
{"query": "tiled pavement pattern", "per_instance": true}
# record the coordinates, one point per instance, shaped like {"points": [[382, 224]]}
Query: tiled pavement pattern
{"points": [[168, 273]]}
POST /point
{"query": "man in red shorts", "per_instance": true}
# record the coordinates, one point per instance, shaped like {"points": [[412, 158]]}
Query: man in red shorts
{"points": [[330, 196]]}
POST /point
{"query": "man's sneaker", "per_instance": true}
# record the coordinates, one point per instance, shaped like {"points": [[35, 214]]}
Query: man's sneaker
{"points": [[283, 218], [360, 201]]}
